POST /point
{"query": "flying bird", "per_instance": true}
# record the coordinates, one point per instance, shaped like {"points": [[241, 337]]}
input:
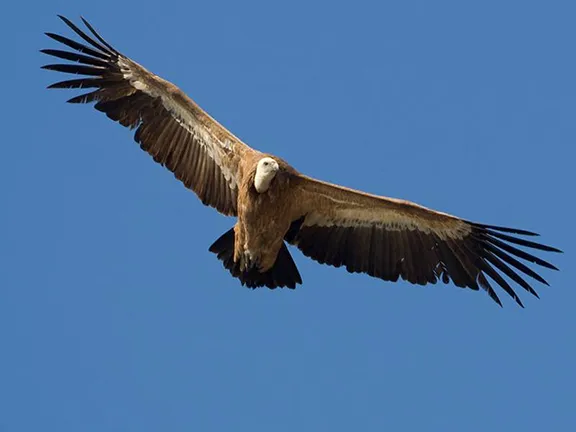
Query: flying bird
{"points": [[275, 204]]}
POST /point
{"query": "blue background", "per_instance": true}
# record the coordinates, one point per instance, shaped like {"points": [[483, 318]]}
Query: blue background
{"points": [[115, 317]]}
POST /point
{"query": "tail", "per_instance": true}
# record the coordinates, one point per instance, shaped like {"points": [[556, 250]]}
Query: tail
{"points": [[284, 273]]}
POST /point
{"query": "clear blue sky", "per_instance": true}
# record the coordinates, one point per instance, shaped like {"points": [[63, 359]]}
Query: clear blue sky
{"points": [[115, 317]]}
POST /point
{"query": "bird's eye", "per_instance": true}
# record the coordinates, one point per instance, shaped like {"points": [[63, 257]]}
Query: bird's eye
{"points": [[266, 163]]}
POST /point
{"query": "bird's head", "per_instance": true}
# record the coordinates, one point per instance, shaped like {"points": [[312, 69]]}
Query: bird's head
{"points": [[265, 172]]}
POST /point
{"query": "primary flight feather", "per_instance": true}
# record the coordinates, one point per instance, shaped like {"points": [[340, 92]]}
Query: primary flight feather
{"points": [[384, 237]]}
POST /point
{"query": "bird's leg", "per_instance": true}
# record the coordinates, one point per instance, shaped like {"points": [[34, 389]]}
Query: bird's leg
{"points": [[238, 243]]}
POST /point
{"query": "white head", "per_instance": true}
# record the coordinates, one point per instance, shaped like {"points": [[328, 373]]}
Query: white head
{"points": [[265, 171]]}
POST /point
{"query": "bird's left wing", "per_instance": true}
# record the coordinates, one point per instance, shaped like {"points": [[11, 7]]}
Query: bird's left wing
{"points": [[171, 127], [389, 238]]}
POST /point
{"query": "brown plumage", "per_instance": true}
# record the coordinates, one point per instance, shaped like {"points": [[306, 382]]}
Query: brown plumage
{"points": [[383, 237]]}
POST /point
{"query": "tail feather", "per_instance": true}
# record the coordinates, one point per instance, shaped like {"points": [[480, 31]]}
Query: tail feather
{"points": [[284, 273]]}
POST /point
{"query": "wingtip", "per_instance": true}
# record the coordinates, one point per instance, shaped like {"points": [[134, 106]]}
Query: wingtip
{"points": [[63, 18], [526, 232], [52, 35], [500, 228]]}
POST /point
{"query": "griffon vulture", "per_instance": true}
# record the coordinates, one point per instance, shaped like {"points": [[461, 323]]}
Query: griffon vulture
{"points": [[275, 204]]}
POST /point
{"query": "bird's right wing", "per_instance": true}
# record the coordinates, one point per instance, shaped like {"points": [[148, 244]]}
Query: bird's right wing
{"points": [[171, 127], [390, 238]]}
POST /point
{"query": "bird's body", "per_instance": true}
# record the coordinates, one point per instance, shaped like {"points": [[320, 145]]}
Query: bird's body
{"points": [[264, 216], [275, 204]]}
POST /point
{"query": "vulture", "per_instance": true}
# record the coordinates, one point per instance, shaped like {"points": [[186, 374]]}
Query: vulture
{"points": [[276, 205]]}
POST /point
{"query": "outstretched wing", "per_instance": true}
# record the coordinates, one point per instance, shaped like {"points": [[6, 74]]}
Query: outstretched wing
{"points": [[171, 127], [389, 238]]}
